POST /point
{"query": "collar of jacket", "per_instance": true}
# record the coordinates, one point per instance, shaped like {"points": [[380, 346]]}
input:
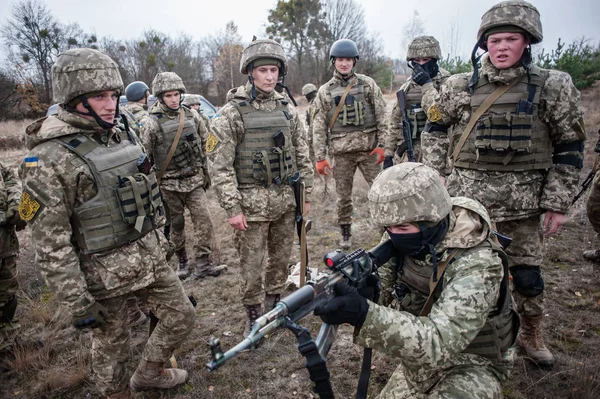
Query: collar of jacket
{"points": [[505, 76]]}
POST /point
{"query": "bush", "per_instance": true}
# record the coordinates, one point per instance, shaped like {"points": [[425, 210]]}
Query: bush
{"points": [[579, 59], [455, 65]]}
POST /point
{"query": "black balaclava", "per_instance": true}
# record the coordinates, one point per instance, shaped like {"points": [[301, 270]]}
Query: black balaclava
{"points": [[431, 67]]}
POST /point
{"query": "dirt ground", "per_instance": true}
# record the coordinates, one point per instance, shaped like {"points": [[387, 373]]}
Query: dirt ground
{"points": [[61, 367]]}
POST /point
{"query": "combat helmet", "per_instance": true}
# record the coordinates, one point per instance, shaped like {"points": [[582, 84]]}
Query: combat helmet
{"points": [[81, 71], [191, 99], [263, 49], [167, 81], [409, 192], [343, 48], [513, 12], [135, 91], [424, 47], [308, 88]]}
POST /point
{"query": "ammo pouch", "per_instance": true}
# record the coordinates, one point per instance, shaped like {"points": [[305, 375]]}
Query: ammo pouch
{"points": [[417, 121], [186, 154], [504, 132], [352, 112], [139, 198]]}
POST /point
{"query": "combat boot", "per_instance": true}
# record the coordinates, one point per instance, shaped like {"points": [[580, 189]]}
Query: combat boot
{"points": [[346, 241], [151, 375], [592, 255], [135, 316], [183, 270], [205, 268], [124, 394], [530, 339], [253, 312], [270, 301]]}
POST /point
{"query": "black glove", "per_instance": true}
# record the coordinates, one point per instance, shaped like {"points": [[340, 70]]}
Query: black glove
{"points": [[420, 75], [388, 162], [13, 217], [371, 289], [348, 306], [93, 317]]}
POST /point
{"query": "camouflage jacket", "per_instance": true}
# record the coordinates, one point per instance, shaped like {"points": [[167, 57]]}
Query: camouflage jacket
{"points": [[10, 194], [352, 141], [151, 136], [395, 136], [139, 111], [53, 186], [430, 347], [258, 203], [508, 195]]}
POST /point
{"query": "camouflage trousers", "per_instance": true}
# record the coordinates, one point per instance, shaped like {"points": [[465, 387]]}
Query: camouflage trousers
{"points": [[469, 381], [8, 289], [593, 204], [195, 201], [526, 248], [272, 240], [344, 168], [110, 344]]}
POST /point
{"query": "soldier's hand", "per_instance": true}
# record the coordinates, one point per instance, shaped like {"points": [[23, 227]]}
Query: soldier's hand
{"points": [[553, 221], [322, 167], [380, 154], [388, 162], [93, 317], [348, 306], [238, 222], [13, 217], [420, 75]]}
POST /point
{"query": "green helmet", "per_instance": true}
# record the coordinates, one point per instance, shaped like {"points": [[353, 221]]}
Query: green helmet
{"points": [[167, 81], [513, 13], [424, 47], [308, 88], [409, 192], [264, 49], [83, 70], [191, 99]]}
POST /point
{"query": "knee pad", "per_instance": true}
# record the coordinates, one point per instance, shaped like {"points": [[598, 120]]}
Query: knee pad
{"points": [[178, 223], [527, 280]]}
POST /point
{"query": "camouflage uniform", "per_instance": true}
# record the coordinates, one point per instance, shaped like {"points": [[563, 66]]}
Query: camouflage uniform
{"points": [[515, 186], [139, 111], [420, 47], [310, 91], [83, 271], [183, 185], [350, 150], [10, 193], [593, 213]]}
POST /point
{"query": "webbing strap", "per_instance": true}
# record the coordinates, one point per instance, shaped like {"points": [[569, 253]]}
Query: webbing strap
{"points": [[173, 146], [139, 220], [433, 284], [339, 107], [365, 374]]}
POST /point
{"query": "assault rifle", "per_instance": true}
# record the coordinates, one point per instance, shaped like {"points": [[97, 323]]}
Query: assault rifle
{"points": [[353, 269], [406, 130], [588, 181]]}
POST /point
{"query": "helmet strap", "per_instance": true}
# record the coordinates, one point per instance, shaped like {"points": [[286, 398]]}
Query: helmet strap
{"points": [[101, 122], [475, 62], [287, 90]]}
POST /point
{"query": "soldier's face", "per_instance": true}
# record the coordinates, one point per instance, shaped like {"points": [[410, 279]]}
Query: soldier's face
{"points": [[421, 61], [195, 106], [344, 65], [405, 228], [104, 104], [172, 98], [506, 49], [265, 77]]}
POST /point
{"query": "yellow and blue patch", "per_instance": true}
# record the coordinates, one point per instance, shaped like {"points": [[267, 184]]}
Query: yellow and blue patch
{"points": [[31, 162]]}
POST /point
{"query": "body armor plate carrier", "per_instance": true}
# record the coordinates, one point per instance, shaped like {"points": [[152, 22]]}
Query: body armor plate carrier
{"points": [[355, 114]]}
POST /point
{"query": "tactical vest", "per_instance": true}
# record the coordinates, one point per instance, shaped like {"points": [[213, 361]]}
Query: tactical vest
{"points": [[510, 135], [188, 155], [501, 327], [127, 202], [266, 155], [355, 114], [9, 245]]}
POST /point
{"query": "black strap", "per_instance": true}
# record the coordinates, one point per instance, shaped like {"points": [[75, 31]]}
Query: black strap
{"points": [[365, 374]]}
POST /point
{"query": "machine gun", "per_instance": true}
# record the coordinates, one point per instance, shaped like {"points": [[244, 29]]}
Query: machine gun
{"points": [[354, 269]]}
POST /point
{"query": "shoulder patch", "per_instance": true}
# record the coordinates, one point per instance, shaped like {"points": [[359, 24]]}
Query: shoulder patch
{"points": [[29, 207], [434, 114], [211, 142]]}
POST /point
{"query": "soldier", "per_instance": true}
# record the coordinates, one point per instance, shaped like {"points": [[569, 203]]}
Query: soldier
{"points": [[309, 91], [93, 208], [425, 51], [453, 340], [256, 152], [593, 208], [137, 94], [176, 137], [516, 147], [10, 194], [350, 114], [193, 102]]}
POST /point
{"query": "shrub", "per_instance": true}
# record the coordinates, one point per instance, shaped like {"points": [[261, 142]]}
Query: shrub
{"points": [[579, 59]]}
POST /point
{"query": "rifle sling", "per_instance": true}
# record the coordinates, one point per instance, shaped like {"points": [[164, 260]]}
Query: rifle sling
{"points": [[173, 146], [315, 364], [480, 111], [433, 285], [339, 107]]}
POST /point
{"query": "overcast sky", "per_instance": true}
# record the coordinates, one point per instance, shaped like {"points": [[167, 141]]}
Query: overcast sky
{"points": [[124, 19]]}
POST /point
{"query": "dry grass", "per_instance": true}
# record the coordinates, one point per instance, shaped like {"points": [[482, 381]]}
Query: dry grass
{"points": [[12, 134]]}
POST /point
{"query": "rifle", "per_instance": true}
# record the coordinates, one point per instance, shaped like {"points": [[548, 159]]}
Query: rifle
{"points": [[588, 181], [353, 269], [302, 226], [406, 130]]}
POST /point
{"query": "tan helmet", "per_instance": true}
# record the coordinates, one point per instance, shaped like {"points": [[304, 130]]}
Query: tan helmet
{"points": [[308, 88], [167, 81], [409, 192], [191, 99], [424, 47], [83, 70], [264, 48], [513, 12]]}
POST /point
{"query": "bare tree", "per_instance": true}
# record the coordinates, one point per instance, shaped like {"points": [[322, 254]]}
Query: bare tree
{"points": [[413, 28], [451, 42]]}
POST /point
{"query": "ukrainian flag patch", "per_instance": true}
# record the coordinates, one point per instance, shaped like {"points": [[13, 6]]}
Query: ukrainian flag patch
{"points": [[31, 162]]}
